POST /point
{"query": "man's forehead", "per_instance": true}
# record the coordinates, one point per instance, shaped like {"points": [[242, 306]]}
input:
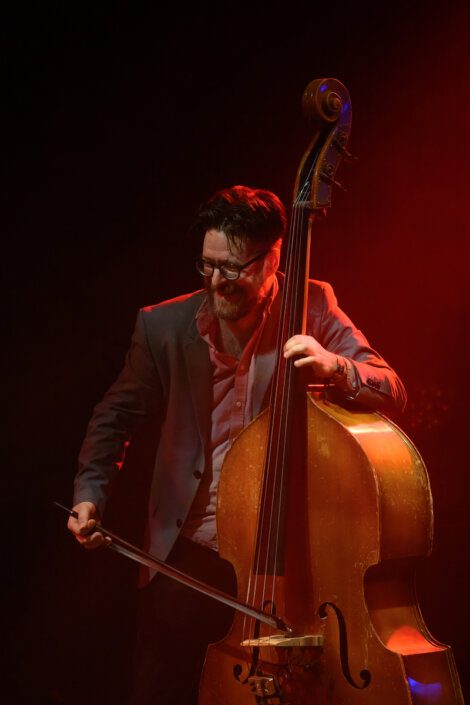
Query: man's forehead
{"points": [[218, 246]]}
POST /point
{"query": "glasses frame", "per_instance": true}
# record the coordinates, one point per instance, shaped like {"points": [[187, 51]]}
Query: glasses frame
{"points": [[201, 262]]}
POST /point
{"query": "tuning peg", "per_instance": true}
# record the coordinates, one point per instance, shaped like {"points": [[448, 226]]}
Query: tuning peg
{"points": [[346, 154], [350, 157], [340, 142], [325, 176]]}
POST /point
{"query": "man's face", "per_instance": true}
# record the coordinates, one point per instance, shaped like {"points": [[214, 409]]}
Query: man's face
{"points": [[232, 300]]}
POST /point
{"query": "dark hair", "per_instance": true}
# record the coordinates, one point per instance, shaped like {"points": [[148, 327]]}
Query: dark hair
{"points": [[242, 214]]}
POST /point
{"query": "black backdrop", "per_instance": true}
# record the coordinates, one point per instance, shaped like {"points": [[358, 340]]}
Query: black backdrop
{"points": [[119, 123]]}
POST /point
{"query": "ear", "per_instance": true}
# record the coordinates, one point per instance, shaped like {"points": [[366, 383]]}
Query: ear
{"points": [[272, 260]]}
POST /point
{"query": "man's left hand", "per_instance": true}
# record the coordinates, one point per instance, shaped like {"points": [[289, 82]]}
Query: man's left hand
{"points": [[323, 362]]}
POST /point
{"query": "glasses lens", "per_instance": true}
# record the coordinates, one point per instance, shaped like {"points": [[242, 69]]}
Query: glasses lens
{"points": [[230, 271], [204, 268]]}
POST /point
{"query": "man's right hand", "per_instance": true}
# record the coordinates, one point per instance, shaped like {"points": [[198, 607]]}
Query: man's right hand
{"points": [[81, 527]]}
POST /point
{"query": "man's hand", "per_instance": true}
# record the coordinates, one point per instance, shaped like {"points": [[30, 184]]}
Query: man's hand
{"points": [[323, 362], [81, 527]]}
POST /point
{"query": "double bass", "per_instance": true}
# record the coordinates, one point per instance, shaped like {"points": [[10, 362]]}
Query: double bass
{"points": [[324, 510]]}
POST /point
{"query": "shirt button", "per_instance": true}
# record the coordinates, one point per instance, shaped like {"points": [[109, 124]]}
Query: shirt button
{"points": [[238, 404], [197, 474]]}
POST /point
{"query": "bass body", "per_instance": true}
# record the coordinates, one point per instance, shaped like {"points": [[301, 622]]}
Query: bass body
{"points": [[361, 520]]}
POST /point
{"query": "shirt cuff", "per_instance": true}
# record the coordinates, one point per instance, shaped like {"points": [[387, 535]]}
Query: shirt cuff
{"points": [[347, 380]]}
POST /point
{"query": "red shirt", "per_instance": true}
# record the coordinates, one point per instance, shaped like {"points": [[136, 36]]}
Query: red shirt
{"points": [[232, 385]]}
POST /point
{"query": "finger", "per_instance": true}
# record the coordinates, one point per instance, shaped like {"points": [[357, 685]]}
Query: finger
{"points": [[304, 361], [84, 514], [293, 341], [95, 540], [86, 527], [297, 349], [81, 527], [73, 525]]}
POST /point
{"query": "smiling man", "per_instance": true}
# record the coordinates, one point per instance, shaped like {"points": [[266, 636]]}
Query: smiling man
{"points": [[232, 297], [201, 366]]}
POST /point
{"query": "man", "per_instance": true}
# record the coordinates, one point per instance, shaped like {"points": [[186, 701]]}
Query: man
{"points": [[201, 366]]}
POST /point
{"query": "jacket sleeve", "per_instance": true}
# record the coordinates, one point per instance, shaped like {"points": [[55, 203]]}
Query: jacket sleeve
{"points": [[136, 393], [377, 384]]}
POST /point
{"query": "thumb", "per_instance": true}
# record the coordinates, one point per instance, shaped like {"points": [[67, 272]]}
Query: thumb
{"points": [[86, 515]]}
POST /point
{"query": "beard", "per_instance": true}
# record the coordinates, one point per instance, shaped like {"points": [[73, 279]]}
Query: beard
{"points": [[230, 301]]}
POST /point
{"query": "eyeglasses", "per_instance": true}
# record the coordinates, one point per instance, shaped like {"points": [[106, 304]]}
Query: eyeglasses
{"points": [[227, 270]]}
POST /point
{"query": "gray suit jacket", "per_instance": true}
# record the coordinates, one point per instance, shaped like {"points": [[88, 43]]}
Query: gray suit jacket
{"points": [[168, 374]]}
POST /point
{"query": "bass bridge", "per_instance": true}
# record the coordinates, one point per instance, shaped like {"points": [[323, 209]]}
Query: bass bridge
{"points": [[265, 687]]}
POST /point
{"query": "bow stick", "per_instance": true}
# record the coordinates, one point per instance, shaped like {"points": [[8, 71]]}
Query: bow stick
{"points": [[127, 549]]}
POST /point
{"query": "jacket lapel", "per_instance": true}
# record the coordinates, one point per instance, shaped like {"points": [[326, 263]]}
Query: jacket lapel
{"points": [[199, 371]]}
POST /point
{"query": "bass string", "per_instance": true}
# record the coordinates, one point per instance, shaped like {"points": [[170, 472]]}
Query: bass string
{"points": [[294, 262], [282, 385], [296, 295], [254, 585]]}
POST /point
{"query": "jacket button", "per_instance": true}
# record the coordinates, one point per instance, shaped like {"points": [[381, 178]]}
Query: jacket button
{"points": [[197, 474], [179, 523], [373, 382]]}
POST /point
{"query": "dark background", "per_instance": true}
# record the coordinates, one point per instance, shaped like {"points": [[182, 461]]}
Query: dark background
{"points": [[120, 122]]}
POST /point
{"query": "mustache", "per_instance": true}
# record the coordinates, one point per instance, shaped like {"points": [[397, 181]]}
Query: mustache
{"points": [[224, 288]]}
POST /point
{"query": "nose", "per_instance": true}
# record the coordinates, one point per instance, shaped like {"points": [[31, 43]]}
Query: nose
{"points": [[216, 277]]}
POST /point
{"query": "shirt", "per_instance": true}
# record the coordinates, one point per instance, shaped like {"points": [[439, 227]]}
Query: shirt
{"points": [[232, 410]]}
